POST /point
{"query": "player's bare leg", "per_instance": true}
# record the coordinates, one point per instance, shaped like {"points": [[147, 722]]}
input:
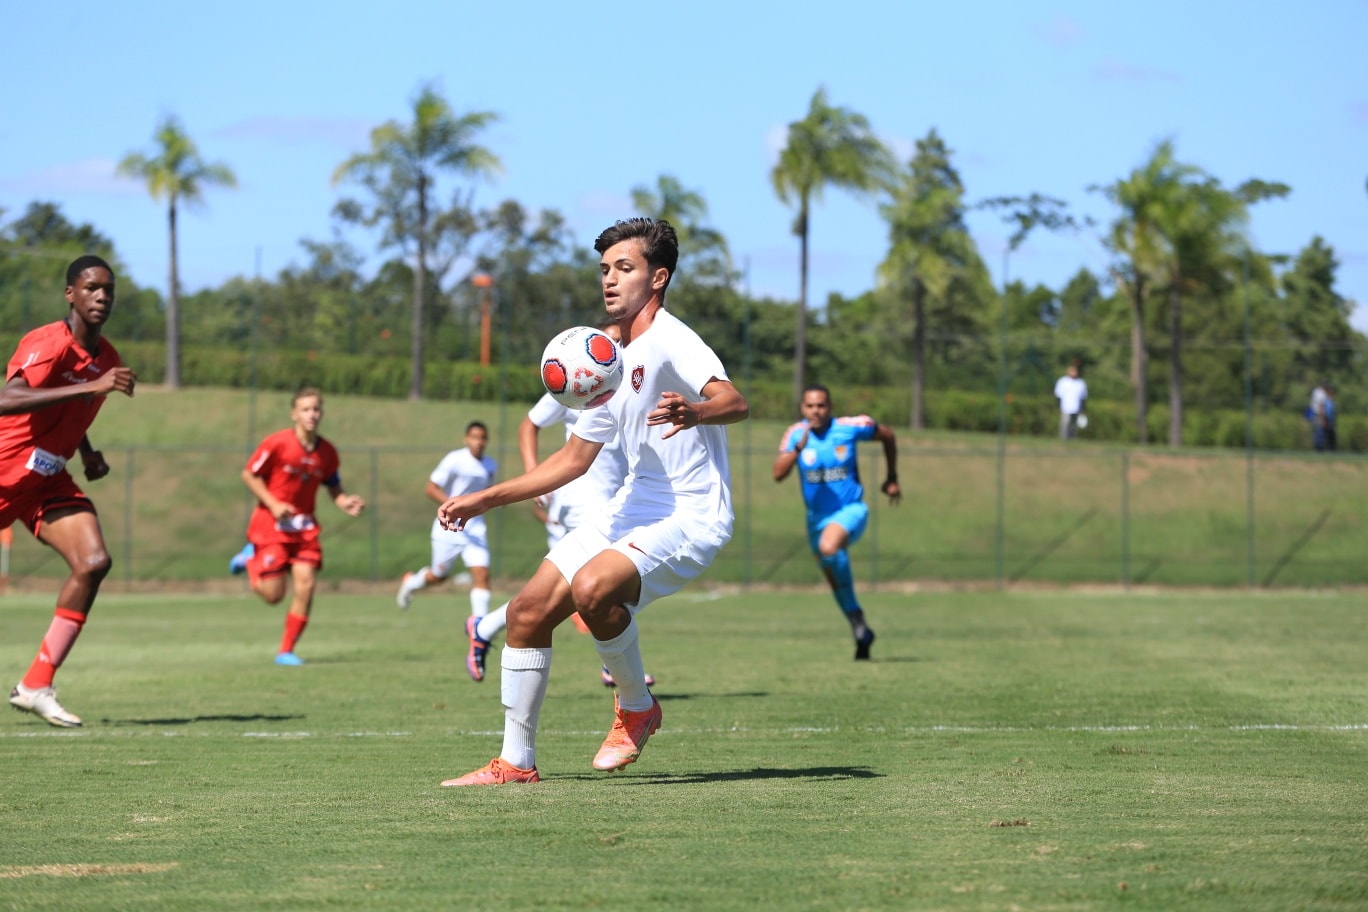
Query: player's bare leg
{"points": [[74, 533]]}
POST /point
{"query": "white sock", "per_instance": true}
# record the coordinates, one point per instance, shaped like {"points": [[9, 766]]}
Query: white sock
{"points": [[490, 625], [479, 602], [523, 688], [622, 657], [416, 580]]}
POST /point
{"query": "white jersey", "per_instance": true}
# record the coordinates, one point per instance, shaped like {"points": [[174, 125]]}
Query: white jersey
{"points": [[1070, 391], [687, 475], [590, 493], [458, 473]]}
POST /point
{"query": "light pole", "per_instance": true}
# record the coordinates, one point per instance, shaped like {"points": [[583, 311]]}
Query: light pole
{"points": [[484, 281]]}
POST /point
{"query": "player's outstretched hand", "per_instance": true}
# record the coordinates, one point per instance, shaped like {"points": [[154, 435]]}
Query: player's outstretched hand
{"points": [[674, 410], [351, 504], [454, 512], [894, 492]]}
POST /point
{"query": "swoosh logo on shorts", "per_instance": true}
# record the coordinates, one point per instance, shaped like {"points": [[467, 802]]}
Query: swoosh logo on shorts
{"points": [[634, 545]]}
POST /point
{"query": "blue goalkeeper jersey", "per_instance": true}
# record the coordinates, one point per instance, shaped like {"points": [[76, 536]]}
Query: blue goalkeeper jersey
{"points": [[828, 468]]}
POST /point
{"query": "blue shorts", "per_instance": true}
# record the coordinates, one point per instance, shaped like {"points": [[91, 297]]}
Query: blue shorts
{"points": [[852, 517]]}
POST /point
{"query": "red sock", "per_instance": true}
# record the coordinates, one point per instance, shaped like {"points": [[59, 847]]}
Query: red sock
{"points": [[62, 633], [294, 629]]}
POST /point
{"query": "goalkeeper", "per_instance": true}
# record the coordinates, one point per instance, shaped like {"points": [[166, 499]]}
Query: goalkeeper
{"points": [[823, 449]]}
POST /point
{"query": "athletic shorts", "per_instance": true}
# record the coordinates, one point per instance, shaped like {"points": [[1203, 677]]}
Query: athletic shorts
{"points": [[55, 493], [472, 550], [852, 517], [667, 554], [275, 558]]}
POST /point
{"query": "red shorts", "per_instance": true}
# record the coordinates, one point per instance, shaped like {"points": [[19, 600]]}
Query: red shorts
{"points": [[275, 558], [29, 507]]}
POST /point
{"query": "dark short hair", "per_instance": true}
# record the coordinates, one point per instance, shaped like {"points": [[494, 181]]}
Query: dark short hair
{"points": [[477, 424], [82, 263], [660, 244], [816, 388]]}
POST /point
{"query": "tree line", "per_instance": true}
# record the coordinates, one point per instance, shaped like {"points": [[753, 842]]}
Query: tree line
{"points": [[1187, 313]]}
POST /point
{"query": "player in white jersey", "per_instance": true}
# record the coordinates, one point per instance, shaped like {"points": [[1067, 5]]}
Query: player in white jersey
{"points": [[665, 525], [562, 510], [462, 471]]}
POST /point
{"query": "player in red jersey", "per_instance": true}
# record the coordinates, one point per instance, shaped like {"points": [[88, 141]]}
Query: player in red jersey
{"points": [[284, 474], [55, 384]]}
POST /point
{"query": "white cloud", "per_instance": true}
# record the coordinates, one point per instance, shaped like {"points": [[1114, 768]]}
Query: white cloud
{"points": [[89, 175], [1115, 70], [343, 132]]}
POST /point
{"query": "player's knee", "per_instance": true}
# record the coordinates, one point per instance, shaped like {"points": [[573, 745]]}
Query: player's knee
{"points": [[93, 566], [590, 595], [525, 615]]}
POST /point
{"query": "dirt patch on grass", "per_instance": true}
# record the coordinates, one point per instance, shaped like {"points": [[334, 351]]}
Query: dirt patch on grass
{"points": [[83, 870]]}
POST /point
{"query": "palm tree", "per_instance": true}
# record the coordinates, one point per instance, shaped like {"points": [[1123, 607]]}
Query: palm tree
{"points": [[1206, 229], [1145, 198], [931, 257], [400, 171], [177, 174], [834, 146]]}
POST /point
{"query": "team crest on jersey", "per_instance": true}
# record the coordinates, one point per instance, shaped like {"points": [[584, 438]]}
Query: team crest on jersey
{"points": [[809, 457], [638, 375], [842, 451]]}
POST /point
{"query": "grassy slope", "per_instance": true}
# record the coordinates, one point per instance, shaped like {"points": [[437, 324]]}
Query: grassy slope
{"points": [[1067, 515]]}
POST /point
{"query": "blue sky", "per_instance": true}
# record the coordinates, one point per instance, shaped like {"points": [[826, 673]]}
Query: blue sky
{"points": [[1047, 97]]}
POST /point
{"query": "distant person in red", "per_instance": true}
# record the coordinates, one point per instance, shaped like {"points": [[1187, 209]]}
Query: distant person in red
{"points": [[54, 387], [284, 474]]}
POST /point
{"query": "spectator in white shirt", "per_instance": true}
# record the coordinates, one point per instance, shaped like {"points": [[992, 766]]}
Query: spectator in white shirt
{"points": [[1072, 392]]}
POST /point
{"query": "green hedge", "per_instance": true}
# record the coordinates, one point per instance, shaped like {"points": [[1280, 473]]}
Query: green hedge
{"points": [[945, 410]]}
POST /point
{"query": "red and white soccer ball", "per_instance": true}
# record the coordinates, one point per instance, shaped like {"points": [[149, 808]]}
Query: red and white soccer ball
{"points": [[582, 367]]}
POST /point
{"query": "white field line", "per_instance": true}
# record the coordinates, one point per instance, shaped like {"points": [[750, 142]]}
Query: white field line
{"points": [[801, 729]]}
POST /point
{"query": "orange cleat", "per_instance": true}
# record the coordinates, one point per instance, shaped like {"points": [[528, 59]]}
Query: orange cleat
{"points": [[627, 737], [498, 772]]}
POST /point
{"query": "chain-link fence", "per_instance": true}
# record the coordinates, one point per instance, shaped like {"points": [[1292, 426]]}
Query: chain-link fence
{"points": [[975, 510]]}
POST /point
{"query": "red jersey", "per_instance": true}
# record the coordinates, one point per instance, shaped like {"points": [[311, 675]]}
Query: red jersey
{"points": [[292, 474], [35, 445]]}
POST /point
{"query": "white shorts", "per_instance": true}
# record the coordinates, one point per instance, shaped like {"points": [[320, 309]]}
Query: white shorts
{"points": [[667, 554], [446, 548]]}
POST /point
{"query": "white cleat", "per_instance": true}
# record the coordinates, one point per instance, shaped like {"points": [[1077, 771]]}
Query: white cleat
{"points": [[42, 702], [405, 596]]}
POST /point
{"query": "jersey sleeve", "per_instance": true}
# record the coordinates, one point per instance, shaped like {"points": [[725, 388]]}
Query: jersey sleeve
{"points": [[442, 475], [547, 412], [861, 427], [791, 436], [34, 359], [597, 425], [260, 462], [695, 362]]}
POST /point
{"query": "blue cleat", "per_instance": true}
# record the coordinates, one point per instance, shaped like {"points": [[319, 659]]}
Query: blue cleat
{"points": [[239, 562], [288, 658]]}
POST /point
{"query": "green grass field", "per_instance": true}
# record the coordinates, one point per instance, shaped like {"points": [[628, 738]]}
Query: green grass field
{"points": [[1037, 751]]}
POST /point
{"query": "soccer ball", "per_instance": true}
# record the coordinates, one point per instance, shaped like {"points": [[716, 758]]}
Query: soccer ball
{"points": [[582, 367]]}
